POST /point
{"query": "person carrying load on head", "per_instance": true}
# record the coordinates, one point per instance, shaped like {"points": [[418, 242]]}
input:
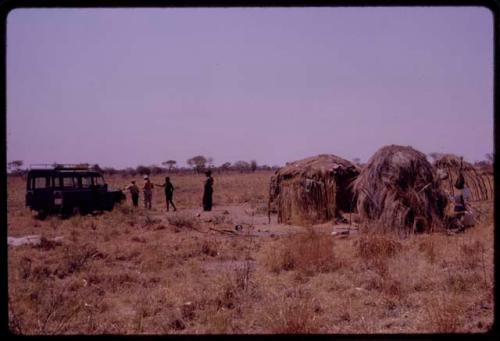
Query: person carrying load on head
{"points": [[134, 193], [148, 192], [169, 193]]}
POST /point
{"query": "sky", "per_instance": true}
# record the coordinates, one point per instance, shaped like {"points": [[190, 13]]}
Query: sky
{"points": [[127, 87]]}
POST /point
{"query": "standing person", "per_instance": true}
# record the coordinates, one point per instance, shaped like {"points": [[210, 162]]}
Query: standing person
{"points": [[134, 193], [208, 191], [148, 192], [169, 192]]}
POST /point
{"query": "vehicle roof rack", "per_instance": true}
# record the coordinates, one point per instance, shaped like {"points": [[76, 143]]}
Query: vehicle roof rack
{"points": [[41, 166], [63, 166]]}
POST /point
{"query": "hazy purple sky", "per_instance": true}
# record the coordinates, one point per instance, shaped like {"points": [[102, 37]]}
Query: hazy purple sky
{"points": [[123, 87]]}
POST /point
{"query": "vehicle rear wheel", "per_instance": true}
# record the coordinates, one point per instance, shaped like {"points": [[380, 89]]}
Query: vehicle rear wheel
{"points": [[67, 212], [42, 214], [83, 210]]}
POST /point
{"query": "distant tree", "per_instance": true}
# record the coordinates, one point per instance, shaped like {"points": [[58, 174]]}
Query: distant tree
{"points": [[15, 166], [356, 160], [225, 166], [253, 165], [490, 157], [198, 163], [129, 171], [109, 170], [143, 170], [170, 164], [242, 166], [482, 163], [155, 170], [210, 161], [97, 167]]}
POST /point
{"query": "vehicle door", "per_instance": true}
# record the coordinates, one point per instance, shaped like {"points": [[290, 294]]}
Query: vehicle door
{"points": [[70, 191], [100, 191], [87, 192], [39, 196]]}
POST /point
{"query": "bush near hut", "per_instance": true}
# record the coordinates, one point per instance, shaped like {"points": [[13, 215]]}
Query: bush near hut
{"points": [[313, 190], [398, 190]]}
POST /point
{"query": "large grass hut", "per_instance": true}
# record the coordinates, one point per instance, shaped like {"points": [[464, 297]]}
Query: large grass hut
{"points": [[451, 166], [398, 189], [313, 190]]}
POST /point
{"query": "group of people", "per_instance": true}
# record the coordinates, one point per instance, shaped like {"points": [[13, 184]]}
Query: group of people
{"points": [[148, 187]]}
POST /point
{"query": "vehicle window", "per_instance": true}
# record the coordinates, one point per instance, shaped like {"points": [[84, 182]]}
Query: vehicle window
{"points": [[40, 183], [56, 182], [98, 180], [86, 181], [70, 182]]}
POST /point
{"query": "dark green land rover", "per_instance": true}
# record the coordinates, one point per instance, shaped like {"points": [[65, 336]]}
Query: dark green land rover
{"points": [[68, 189]]}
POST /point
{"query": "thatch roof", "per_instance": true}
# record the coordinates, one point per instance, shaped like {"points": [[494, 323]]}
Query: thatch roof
{"points": [[312, 190], [316, 166], [451, 165], [397, 189]]}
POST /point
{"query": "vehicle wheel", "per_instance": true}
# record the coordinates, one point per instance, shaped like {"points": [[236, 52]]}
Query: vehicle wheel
{"points": [[83, 210], [42, 214], [67, 212]]}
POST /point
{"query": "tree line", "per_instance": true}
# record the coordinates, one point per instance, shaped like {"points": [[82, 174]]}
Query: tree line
{"points": [[200, 163], [197, 164]]}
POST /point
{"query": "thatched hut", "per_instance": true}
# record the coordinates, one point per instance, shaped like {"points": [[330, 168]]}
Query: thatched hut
{"points": [[313, 190], [398, 189], [450, 166]]}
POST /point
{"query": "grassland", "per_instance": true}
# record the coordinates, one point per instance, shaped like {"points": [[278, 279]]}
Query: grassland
{"points": [[134, 271]]}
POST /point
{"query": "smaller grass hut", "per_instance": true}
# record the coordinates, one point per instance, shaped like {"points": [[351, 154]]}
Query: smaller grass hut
{"points": [[398, 190], [450, 166], [313, 190]]}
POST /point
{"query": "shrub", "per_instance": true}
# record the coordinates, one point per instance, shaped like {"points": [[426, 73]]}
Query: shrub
{"points": [[444, 316], [209, 248], [294, 313], [372, 245], [183, 220], [471, 254], [427, 246], [308, 253]]}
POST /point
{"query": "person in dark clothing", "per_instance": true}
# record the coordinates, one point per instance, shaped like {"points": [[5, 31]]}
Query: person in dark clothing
{"points": [[134, 193], [169, 193], [208, 191]]}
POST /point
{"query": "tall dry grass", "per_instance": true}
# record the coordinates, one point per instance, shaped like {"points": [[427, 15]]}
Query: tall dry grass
{"points": [[134, 271]]}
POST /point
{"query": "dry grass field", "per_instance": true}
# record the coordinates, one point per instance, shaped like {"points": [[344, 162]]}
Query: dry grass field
{"points": [[135, 271]]}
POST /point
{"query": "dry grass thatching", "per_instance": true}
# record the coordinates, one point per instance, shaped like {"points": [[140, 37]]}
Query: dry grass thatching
{"points": [[480, 186], [398, 190], [313, 190]]}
